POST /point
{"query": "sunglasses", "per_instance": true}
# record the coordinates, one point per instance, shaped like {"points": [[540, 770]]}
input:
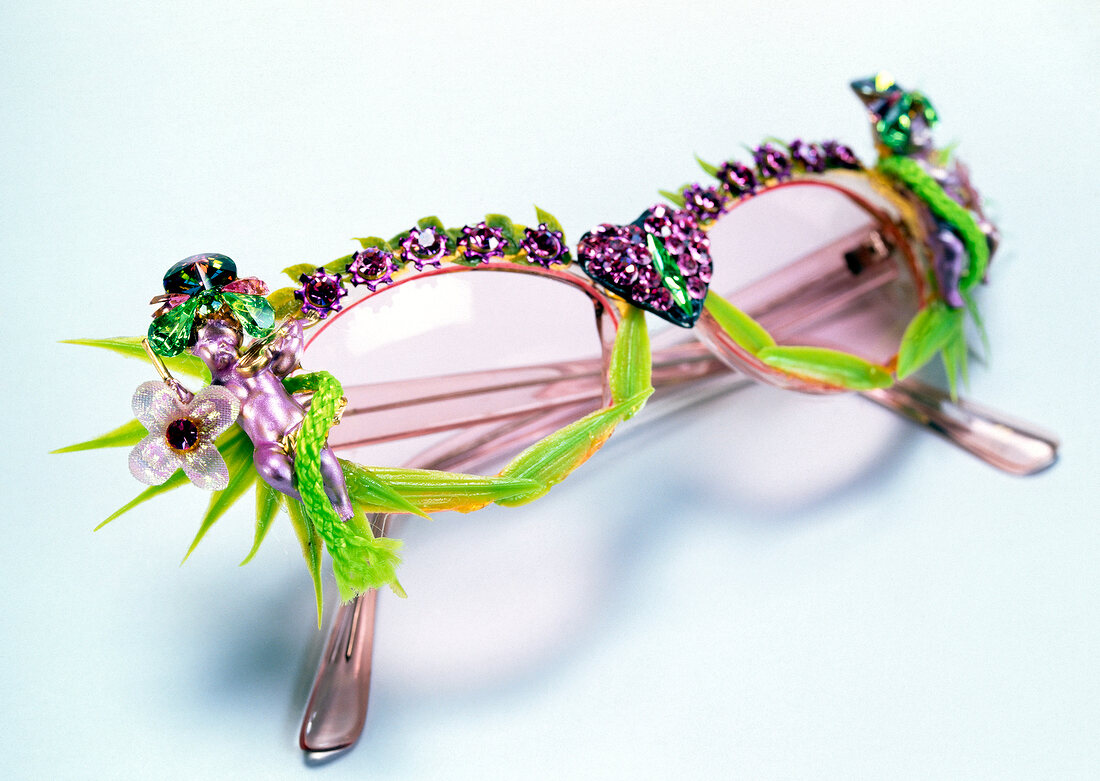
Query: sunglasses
{"points": [[806, 270]]}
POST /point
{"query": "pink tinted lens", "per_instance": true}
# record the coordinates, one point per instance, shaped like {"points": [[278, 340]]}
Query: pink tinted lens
{"points": [[410, 358], [817, 266]]}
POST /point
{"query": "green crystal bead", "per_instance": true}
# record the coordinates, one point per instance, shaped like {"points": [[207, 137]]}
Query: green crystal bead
{"points": [[254, 313], [169, 333]]}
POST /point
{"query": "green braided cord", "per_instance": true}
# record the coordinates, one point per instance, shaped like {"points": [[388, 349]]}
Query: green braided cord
{"points": [[360, 561], [910, 173]]}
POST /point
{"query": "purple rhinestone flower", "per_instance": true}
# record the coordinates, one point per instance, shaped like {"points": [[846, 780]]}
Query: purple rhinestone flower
{"points": [[839, 155], [425, 245], [372, 267], [738, 178], [321, 292], [772, 162], [482, 242], [544, 246], [182, 435], [811, 156], [705, 203]]}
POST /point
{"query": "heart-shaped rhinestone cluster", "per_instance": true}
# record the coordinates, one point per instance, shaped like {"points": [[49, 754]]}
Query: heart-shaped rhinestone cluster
{"points": [[660, 262]]}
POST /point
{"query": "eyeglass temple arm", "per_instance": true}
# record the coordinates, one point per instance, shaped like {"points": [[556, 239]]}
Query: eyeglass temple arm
{"points": [[337, 708]]}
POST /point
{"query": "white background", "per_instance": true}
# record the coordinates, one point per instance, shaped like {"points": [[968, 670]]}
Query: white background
{"points": [[763, 586]]}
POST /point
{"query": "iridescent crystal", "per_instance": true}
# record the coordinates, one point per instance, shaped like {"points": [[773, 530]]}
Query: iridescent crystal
{"points": [[199, 272], [705, 203]]}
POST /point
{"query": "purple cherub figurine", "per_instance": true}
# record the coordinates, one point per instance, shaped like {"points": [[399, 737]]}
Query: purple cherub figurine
{"points": [[269, 415]]}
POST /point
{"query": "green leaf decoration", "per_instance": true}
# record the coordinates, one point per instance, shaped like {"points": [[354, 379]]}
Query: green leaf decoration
{"points": [[312, 549], [430, 222], [374, 241], [954, 358], [549, 220], [284, 303], [229, 442], [296, 271], [926, 335], [268, 502], [340, 265], [128, 434], [173, 482], [629, 373], [395, 242], [925, 187], [829, 366], [374, 493], [238, 457], [676, 198], [975, 315], [130, 347], [507, 228], [550, 461], [434, 491], [712, 170], [742, 329]]}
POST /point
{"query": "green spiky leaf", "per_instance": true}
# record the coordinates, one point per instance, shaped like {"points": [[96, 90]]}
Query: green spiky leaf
{"points": [[435, 491], [268, 502], [340, 265], [828, 366], [430, 222], [284, 302], [549, 220], [312, 549], [173, 482], [979, 323], [128, 434], [742, 329], [551, 460], [374, 241], [374, 493], [241, 477], [298, 269], [630, 368], [130, 347], [926, 335], [712, 170], [676, 198]]}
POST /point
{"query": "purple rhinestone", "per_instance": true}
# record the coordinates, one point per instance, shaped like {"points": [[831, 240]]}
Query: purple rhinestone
{"points": [[182, 434], [811, 156], [659, 220], [620, 271], [839, 155], [772, 162], [482, 242], [659, 298], [371, 267], [705, 269], [425, 245], [697, 288], [705, 203], [545, 246], [737, 178], [648, 280], [320, 292], [687, 264]]}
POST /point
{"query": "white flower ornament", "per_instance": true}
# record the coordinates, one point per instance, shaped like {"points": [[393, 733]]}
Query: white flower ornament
{"points": [[182, 435]]}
